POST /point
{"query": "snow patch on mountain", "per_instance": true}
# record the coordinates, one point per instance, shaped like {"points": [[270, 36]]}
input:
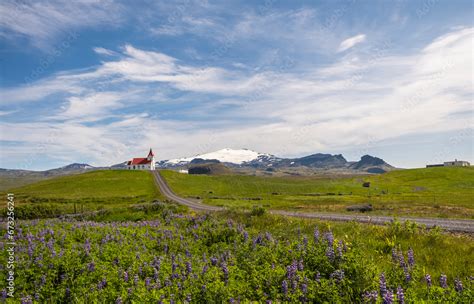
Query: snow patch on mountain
{"points": [[235, 156]]}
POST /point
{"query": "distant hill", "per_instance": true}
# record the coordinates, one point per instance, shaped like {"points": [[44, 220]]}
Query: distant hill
{"points": [[12, 178], [244, 158]]}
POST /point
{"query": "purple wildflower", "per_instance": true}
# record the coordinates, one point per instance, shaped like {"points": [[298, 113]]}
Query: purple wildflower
{"points": [[68, 292], [118, 301], [135, 279], [329, 238], [147, 282], [27, 300], [87, 247], [338, 275], [213, 261], [284, 287], [330, 253], [428, 280], [388, 297], [400, 295], [91, 266], [225, 270], [300, 265], [411, 257], [125, 276], [443, 281], [318, 277], [370, 296], [316, 235], [189, 268], [204, 269], [458, 285], [382, 285]]}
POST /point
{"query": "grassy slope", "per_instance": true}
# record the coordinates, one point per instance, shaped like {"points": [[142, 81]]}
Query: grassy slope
{"points": [[89, 191], [443, 192]]}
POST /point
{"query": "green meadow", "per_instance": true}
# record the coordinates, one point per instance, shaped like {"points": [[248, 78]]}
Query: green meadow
{"points": [[91, 191], [430, 192]]}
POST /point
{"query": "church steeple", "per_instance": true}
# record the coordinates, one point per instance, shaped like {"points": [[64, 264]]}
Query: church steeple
{"points": [[150, 155]]}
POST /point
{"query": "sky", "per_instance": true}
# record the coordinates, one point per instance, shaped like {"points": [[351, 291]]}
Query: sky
{"points": [[100, 82]]}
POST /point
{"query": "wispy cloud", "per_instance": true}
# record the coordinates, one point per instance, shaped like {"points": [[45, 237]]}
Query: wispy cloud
{"points": [[351, 42], [41, 22], [319, 108]]}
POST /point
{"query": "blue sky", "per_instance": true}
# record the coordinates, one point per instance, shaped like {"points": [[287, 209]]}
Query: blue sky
{"points": [[102, 81]]}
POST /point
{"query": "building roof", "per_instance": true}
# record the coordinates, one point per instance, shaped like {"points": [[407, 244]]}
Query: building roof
{"points": [[139, 161]]}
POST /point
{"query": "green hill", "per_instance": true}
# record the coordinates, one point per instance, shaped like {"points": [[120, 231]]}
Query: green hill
{"points": [[436, 192], [89, 191]]}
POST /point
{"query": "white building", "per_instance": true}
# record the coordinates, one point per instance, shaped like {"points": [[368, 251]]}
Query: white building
{"points": [[146, 163], [457, 163]]}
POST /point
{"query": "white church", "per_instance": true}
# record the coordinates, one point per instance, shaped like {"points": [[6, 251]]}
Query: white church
{"points": [[145, 163]]}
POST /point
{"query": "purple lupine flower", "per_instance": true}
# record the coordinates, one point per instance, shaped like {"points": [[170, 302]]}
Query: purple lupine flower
{"points": [[246, 236], [330, 253], [305, 241], [338, 275], [300, 265], [125, 276], [329, 238], [284, 287], [68, 292], [443, 281], [147, 283], [317, 277], [203, 288], [118, 301], [339, 249], [189, 268], [388, 297], [27, 300], [135, 279], [225, 270], [291, 270], [91, 266], [400, 295], [213, 261], [102, 284], [428, 280], [370, 296], [316, 235], [304, 288], [458, 285], [87, 247], [4, 294], [382, 285], [394, 255], [231, 301], [407, 276], [411, 258], [204, 269]]}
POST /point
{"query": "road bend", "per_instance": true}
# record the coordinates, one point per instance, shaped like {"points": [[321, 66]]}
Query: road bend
{"points": [[452, 225]]}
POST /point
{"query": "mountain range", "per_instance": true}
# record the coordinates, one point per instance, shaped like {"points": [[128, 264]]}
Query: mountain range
{"points": [[244, 158], [239, 159]]}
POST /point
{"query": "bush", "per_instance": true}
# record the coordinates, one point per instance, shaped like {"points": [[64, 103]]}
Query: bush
{"points": [[257, 211]]}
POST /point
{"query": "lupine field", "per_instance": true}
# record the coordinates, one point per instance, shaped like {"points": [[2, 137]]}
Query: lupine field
{"points": [[199, 258]]}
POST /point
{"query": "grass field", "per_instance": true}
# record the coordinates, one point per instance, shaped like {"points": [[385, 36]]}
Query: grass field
{"points": [[90, 191], [86, 261], [431, 192]]}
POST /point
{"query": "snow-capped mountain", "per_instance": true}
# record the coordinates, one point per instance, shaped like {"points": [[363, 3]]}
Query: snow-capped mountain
{"points": [[233, 156], [244, 158]]}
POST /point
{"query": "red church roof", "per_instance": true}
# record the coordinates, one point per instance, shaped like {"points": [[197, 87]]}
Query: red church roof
{"points": [[139, 161]]}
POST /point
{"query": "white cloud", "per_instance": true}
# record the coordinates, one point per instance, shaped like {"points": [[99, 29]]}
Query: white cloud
{"points": [[277, 111], [43, 21], [350, 42], [104, 51]]}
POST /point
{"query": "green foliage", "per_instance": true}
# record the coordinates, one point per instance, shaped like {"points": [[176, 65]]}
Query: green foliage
{"points": [[213, 259], [257, 211]]}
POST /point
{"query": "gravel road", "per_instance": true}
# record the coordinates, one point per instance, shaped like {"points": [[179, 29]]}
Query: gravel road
{"points": [[453, 225]]}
